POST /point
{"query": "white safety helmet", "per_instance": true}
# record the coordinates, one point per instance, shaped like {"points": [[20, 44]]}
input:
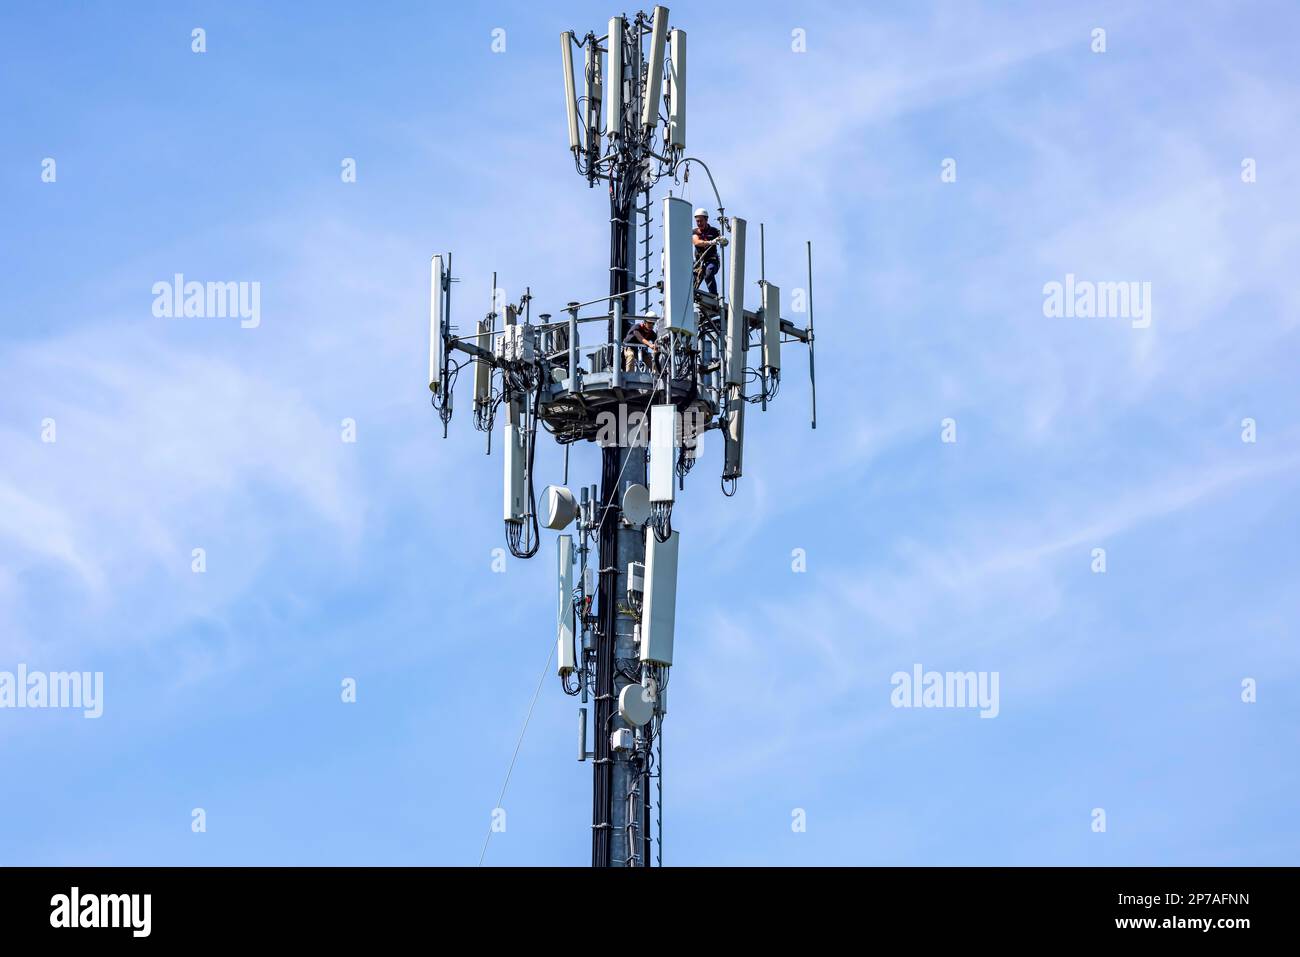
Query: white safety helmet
{"points": [[702, 212]]}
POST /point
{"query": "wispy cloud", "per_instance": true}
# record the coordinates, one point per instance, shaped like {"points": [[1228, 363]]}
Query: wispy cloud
{"points": [[157, 449]]}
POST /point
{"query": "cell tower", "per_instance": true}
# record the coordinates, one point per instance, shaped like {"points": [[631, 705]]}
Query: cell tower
{"points": [[645, 388]]}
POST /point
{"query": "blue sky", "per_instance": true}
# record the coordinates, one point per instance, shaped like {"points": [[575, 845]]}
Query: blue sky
{"points": [[372, 560]]}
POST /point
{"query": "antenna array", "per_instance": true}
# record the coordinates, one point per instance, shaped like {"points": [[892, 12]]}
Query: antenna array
{"points": [[645, 388]]}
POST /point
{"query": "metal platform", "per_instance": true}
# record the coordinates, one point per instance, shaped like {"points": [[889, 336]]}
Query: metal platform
{"points": [[576, 412]]}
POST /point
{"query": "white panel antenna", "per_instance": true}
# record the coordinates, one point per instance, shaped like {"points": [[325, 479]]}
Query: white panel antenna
{"points": [[570, 104], [737, 332], [513, 435], [734, 436], [614, 79], [437, 320], [771, 327], [660, 606], [483, 369], [663, 452], [678, 267], [592, 91], [677, 90], [655, 69], [565, 654]]}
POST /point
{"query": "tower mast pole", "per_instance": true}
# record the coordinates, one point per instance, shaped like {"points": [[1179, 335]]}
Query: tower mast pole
{"points": [[619, 823]]}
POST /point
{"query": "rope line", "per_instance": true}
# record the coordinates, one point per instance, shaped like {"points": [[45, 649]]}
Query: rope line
{"points": [[522, 731]]}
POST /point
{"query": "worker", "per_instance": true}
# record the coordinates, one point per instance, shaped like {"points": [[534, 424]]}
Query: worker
{"points": [[642, 333], [706, 239]]}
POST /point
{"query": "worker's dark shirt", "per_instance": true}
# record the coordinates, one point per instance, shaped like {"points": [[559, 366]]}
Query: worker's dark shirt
{"points": [[641, 332], [706, 232]]}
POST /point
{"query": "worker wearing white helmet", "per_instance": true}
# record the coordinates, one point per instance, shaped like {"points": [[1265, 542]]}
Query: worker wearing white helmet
{"points": [[641, 338], [704, 238]]}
